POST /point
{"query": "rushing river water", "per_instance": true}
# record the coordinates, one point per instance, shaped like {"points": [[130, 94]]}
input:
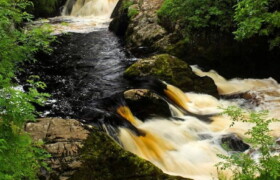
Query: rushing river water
{"points": [[87, 66]]}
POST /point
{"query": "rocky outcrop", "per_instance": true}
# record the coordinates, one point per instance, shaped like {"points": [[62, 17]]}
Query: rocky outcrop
{"points": [[138, 22], [174, 71], [147, 33], [63, 139], [79, 154]]}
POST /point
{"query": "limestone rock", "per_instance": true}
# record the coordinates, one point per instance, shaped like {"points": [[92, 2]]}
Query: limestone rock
{"points": [[63, 139]]}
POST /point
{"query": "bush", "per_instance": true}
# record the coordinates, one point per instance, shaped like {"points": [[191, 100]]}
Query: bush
{"points": [[245, 18], [243, 165], [258, 17], [197, 14]]}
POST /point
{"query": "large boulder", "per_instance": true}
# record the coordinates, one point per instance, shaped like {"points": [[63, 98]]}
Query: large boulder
{"points": [[174, 71], [79, 154]]}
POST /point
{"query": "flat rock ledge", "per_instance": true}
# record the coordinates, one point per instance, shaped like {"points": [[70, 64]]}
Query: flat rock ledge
{"points": [[63, 138]]}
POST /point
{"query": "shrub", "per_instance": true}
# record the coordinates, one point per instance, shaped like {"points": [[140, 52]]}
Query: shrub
{"points": [[243, 165]]}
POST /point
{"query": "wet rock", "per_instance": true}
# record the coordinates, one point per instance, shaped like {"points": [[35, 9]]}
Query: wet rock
{"points": [[63, 139], [145, 104], [234, 143], [174, 71]]}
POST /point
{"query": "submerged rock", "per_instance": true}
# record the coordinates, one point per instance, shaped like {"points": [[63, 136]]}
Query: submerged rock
{"points": [[79, 154], [174, 71], [234, 143]]}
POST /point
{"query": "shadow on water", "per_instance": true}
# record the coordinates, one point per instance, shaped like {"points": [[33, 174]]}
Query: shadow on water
{"points": [[82, 69]]}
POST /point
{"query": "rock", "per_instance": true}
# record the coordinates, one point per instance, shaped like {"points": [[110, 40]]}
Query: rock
{"points": [[144, 104], [63, 139], [210, 48], [42, 8], [142, 30], [120, 19], [174, 71], [77, 155], [104, 159], [234, 143]]}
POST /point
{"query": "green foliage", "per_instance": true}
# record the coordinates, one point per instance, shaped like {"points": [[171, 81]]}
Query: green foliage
{"points": [[127, 3], [243, 165], [132, 12], [197, 14], [245, 18], [257, 17], [19, 156]]}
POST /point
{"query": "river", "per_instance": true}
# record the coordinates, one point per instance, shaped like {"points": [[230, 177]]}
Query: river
{"points": [[87, 66]]}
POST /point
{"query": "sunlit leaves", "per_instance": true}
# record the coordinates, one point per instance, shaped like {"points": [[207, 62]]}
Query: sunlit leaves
{"points": [[254, 17], [20, 158]]}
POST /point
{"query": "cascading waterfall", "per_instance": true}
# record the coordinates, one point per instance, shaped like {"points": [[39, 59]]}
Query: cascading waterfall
{"points": [[189, 147], [89, 7]]}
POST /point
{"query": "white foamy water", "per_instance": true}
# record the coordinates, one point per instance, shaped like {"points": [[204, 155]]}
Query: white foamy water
{"points": [[189, 147], [82, 16]]}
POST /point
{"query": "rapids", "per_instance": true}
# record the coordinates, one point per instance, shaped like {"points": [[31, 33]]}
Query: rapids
{"points": [[87, 66], [189, 148]]}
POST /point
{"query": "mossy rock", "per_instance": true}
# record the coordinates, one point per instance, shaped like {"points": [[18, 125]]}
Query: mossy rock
{"points": [[174, 71], [104, 159]]}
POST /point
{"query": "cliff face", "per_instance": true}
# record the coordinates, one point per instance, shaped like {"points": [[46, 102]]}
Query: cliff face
{"points": [[147, 33]]}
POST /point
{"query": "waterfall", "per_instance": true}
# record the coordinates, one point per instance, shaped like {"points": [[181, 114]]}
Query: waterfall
{"points": [[188, 147], [89, 7]]}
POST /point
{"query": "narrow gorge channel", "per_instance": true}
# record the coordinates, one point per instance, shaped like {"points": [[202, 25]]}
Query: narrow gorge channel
{"points": [[84, 75]]}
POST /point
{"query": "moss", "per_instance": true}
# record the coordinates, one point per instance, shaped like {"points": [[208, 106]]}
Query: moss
{"points": [[104, 159], [163, 66], [173, 71], [132, 12], [178, 49]]}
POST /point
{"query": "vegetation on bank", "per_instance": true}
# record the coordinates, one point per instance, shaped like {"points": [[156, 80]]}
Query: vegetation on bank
{"points": [[245, 19], [260, 163], [20, 158]]}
